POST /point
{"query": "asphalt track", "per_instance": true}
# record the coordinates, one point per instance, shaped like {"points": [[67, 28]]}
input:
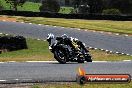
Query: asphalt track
{"points": [[53, 72], [115, 43]]}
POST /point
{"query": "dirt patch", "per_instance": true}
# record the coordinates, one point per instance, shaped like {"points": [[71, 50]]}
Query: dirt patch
{"points": [[7, 19]]}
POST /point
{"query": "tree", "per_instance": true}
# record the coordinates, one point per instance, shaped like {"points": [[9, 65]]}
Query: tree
{"points": [[125, 6], [111, 12], [50, 6], [1, 7], [15, 3], [95, 6]]}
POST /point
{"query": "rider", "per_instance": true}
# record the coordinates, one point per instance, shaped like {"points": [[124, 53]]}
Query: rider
{"points": [[72, 42]]}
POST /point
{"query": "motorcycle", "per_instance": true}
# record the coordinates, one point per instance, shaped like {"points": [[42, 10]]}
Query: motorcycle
{"points": [[67, 49]]}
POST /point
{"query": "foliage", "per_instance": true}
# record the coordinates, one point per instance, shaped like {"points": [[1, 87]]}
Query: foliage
{"points": [[1, 6], [111, 12], [15, 3], [50, 6], [125, 6], [95, 6]]}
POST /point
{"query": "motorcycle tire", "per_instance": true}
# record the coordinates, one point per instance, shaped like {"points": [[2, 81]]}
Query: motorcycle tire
{"points": [[80, 60], [57, 55], [88, 58]]}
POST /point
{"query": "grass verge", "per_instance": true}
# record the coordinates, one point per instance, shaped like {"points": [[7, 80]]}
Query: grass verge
{"points": [[74, 85], [38, 51], [122, 27]]}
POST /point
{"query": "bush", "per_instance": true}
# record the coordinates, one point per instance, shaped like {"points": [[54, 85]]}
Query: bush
{"points": [[1, 7], [49, 6], [12, 43], [111, 12]]}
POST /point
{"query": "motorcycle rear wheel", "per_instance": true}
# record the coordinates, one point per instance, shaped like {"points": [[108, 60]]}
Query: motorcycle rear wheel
{"points": [[80, 60]]}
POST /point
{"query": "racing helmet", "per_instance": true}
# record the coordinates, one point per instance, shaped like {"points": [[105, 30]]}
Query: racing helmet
{"points": [[50, 36], [64, 36]]}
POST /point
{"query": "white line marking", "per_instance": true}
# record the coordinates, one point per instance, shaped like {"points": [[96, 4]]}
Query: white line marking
{"points": [[102, 49], [117, 52], [38, 39], [90, 47], [47, 25], [53, 62], [85, 30], [6, 34], [22, 22], [30, 23], [42, 61], [99, 61], [39, 24], [45, 40], [54, 26], [1, 33], [16, 79], [11, 61], [62, 27], [128, 54], [126, 60], [79, 29], [101, 32], [106, 50], [111, 51], [109, 33], [95, 48], [116, 34], [126, 35], [3, 80]]}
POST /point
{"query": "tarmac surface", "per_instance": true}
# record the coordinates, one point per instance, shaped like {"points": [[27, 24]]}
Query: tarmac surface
{"points": [[33, 72], [111, 42]]}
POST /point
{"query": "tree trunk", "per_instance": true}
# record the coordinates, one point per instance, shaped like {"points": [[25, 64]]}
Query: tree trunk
{"points": [[15, 6]]}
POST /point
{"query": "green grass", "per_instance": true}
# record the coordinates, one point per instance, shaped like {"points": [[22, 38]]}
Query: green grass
{"points": [[122, 27], [30, 6], [66, 10], [38, 51], [103, 56], [74, 85]]}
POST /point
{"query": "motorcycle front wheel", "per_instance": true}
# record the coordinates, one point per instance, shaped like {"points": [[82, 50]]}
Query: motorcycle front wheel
{"points": [[60, 55], [88, 58]]}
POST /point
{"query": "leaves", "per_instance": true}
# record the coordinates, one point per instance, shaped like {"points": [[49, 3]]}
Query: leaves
{"points": [[50, 6], [15, 3]]}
